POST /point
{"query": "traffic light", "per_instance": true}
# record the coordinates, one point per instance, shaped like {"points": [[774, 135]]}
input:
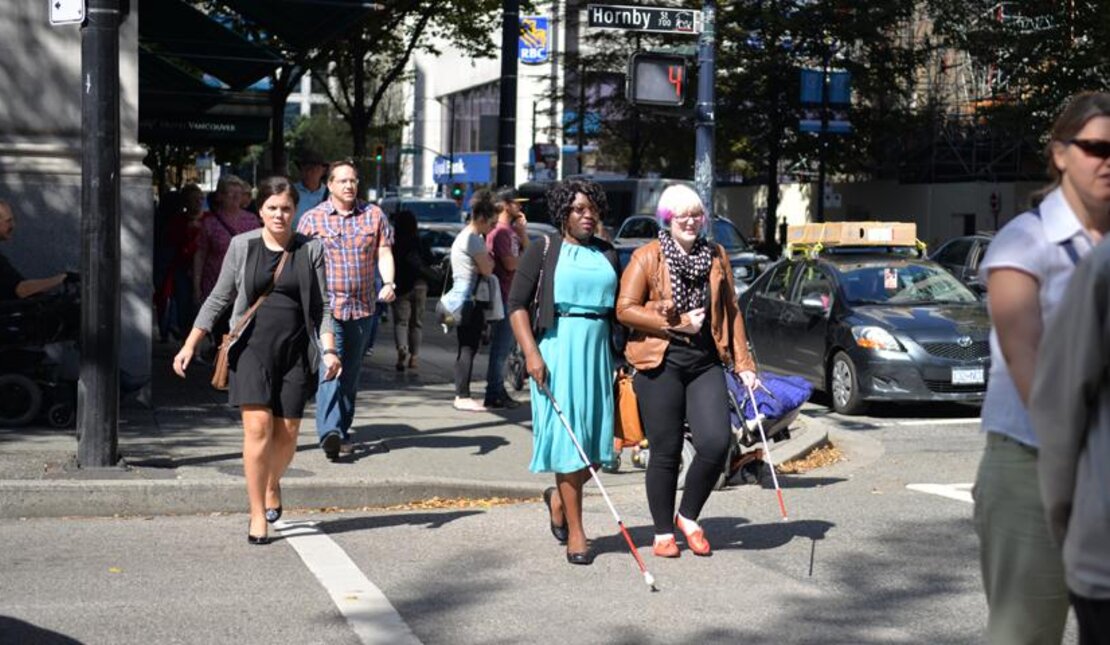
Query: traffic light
{"points": [[457, 192], [379, 152], [658, 79]]}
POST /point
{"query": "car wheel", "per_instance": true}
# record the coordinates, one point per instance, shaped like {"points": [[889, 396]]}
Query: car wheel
{"points": [[844, 385]]}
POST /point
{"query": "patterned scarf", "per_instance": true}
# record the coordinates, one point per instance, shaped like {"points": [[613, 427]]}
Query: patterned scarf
{"points": [[689, 271]]}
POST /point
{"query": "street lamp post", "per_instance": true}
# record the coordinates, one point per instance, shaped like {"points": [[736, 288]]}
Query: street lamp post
{"points": [[705, 119]]}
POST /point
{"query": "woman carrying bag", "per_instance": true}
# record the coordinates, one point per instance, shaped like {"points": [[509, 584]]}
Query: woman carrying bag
{"points": [[678, 299], [470, 262], [281, 328]]}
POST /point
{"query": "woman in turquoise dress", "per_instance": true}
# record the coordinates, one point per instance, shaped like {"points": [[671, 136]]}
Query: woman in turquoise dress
{"points": [[563, 295]]}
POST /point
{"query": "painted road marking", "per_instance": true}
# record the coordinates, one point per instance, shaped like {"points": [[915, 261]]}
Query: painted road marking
{"points": [[369, 613], [938, 422], [958, 492]]}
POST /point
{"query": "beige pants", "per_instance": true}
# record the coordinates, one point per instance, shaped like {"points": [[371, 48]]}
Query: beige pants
{"points": [[1023, 572]]}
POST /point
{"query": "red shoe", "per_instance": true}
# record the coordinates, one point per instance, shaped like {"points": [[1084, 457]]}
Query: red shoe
{"points": [[695, 539], [666, 548]]}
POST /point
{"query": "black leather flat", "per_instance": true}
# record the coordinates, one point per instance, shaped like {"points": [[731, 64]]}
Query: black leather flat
{"points": [[273, 514], [560, 532], [257, 539], [584, 558]]}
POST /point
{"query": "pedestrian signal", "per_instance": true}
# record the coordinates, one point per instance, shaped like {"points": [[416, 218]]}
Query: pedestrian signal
{"points": [[658, 79]]}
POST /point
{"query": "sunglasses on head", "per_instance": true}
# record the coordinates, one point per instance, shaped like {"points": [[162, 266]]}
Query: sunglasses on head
{"points": [[1093, 147]]}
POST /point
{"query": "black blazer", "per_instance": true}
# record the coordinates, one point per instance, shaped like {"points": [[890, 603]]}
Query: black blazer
{"points": [[523, 289]]}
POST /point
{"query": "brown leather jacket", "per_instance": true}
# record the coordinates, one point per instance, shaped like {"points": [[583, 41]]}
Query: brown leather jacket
{"points": [[646, 280]]}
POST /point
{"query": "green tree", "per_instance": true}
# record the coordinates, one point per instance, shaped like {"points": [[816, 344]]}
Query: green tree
{"points": [[367, 64]]}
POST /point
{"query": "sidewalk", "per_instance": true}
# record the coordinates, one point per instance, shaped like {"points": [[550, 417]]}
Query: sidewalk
{"points": [[183, 455]]}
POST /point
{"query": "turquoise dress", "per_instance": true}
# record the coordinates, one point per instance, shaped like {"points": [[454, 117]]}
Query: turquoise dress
{"points": [[579, 365]]}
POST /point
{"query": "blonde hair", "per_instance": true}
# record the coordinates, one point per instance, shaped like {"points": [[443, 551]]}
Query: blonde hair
{"points": [[678, 199]]}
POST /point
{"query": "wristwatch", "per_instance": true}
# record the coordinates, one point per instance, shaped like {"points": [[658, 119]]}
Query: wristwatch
{"points": [[333, 352], [390, 284]]}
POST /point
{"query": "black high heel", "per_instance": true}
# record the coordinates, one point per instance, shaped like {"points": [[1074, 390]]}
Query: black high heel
{"points": [[257, 539], [273, 514], [583, 557], [561, 533]]}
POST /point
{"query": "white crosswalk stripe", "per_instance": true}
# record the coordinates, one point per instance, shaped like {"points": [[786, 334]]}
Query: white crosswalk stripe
{"points": [[367, 610]]}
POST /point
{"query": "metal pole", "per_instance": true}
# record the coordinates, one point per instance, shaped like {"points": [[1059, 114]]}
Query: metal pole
{"points": [[704, 151], [98, 388], [450, 149], [506, 131], [581, 121], [823, 137]]}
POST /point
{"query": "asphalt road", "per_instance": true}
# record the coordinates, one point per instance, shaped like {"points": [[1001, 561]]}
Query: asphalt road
{"points": [[862, 559]]}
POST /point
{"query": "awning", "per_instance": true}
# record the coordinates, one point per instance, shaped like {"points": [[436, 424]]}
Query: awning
{"points": [[174, 29], [305, 23]]}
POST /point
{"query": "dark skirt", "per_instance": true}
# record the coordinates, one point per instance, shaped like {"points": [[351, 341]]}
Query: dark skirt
{"points": [[269, 365]]}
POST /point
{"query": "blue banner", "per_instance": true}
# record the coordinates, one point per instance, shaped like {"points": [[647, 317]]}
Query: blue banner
{"points": [[840, 90], [463, 168], [535, 32]]}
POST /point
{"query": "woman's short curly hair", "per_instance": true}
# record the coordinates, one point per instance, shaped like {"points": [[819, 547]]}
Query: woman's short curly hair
{"points": [[561, 195]]}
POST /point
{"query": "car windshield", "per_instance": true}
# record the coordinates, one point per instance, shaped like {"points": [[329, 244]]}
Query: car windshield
{"points": [[433, 211], [730, 238], [897, 282]]}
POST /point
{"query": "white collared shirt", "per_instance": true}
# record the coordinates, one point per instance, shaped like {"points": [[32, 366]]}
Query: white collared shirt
{"points": [[1035, 245]]}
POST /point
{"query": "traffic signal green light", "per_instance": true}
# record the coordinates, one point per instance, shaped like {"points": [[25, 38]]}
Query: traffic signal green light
{"points": [[457, 191], [379, 152]]}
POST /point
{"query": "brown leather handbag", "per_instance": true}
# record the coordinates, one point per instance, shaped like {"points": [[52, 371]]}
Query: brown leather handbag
{"points": [[628, 430], [220, 373]]}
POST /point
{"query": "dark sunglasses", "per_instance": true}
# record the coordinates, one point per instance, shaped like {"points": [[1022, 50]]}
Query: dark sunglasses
{"points": [[1093, 147]]}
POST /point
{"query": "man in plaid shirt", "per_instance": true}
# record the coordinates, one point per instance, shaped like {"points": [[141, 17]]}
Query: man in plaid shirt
{"points": [[357, 239]]}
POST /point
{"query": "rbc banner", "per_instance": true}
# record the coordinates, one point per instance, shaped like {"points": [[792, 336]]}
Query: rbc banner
{"points": [[534, 34]]}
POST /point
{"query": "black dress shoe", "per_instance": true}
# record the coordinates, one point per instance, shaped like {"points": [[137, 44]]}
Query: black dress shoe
{"points": [[585, 557], [256, 539], [331, 445], [504, 402], [560, 532], [273, 514]]}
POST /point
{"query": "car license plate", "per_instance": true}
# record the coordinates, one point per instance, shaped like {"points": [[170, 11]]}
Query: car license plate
{"points": [[967, 376]]}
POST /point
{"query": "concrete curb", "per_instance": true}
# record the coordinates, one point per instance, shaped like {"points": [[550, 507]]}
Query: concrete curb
{"points": [[87, 498], [806, 435]]}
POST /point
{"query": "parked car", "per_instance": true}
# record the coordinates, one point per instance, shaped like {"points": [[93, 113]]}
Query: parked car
{"points": [[426, 209], [746, 262], [870, 327], [962, 255], [438, 236]]}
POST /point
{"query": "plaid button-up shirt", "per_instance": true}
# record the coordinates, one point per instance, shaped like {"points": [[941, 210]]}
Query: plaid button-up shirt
{"points": [[351, 241]]}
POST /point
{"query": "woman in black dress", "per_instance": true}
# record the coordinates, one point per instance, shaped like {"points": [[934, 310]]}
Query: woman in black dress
{"points": [[273, 363]]}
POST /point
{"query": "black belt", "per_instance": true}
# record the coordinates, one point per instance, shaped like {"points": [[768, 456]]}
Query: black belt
{"points": [[582, 314]]}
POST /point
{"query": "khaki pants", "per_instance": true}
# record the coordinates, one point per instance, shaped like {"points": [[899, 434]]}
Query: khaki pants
{"points": [[1023, 572]]}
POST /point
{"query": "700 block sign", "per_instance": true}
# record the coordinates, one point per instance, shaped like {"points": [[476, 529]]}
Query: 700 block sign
{"points": [[637, 18]]}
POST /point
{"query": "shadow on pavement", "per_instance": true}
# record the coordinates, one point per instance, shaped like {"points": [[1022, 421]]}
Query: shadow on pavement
{"points": [[13, 630], [380, 521]]}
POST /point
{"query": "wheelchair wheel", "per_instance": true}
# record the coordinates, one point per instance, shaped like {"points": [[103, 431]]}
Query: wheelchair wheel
{"points": [[20, 400], [61, 415]]}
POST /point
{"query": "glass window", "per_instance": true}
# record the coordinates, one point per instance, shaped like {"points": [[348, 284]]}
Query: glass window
{"points": [[815, 284], [955, 252], [728, 236], [639, 227], [778, 286], [901, 282]]}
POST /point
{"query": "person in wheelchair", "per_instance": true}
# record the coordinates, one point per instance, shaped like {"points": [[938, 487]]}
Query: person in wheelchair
{"points": [[13, 286]]}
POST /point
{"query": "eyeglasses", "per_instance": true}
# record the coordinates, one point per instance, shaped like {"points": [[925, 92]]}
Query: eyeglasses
{"points": [[688, 218], [1098, 148]]}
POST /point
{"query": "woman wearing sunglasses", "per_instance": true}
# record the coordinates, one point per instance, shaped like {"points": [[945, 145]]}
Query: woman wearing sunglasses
{"points": [[1026, 271]]}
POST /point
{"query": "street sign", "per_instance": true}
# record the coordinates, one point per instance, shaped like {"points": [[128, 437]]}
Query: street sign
{"points": [[535, 32], [66, 12], [663, 20], [657, 79]]}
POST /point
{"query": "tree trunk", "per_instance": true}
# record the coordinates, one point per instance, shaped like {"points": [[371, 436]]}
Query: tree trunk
{"points": [[277, 130], [360, 120]]}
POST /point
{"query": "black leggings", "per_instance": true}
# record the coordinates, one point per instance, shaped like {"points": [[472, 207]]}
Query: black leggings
{"points": [[470, 338], [689, 385]]}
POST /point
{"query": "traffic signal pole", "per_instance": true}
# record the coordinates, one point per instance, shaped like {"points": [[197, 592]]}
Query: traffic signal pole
{"points": [[705, 119], [506, 131], [98, 388]]}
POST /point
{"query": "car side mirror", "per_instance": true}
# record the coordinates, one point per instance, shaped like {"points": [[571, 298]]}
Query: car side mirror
{"points": [[814, 305]]}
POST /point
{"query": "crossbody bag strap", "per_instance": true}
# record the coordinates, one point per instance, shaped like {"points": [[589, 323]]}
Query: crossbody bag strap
{"points": [[245, 320], [539, 282]]}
